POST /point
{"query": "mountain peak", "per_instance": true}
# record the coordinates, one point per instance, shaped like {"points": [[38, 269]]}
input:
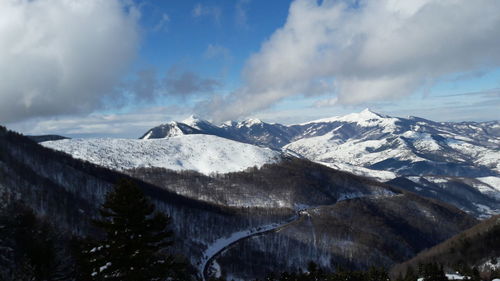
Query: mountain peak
{"points": [[368, 111], [251, 122], [191, 119], [194, 121], [365, 115]]}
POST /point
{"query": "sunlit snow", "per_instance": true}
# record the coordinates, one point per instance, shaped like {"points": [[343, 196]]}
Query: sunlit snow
{"points": [[202, 153]]}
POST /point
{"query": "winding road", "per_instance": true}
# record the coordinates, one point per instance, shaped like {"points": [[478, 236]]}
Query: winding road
{"points": [[222, 244]]}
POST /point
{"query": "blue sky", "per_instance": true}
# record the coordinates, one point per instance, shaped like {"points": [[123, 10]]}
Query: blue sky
{"points": [[116, 68]]}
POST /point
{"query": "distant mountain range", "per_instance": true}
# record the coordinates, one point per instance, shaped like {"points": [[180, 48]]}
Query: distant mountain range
{"points": [[405, 146], [458, 163], [287, 212]]}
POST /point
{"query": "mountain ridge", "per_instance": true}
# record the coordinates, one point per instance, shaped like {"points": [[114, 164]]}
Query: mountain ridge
{"points": [[466, 155]]}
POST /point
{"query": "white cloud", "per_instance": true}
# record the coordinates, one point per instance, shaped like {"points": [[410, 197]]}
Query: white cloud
{"points": [[62, 56], [378, 50], [201, 10], [132, 124], [162, 23]]}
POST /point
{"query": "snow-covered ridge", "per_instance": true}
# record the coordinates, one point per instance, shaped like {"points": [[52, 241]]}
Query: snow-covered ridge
{"points": [[363, 118], [206, 154]]}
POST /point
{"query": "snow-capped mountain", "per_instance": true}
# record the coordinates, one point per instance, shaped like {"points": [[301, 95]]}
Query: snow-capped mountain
{"points": [[252, 131], [404, 146], [458, 163], [168, 130], [198, 152], [462, 154]]}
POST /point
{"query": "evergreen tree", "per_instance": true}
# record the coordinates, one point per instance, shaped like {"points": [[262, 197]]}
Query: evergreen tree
{"points": [[135, 240], [432, 272], [377, 274], [410, 275], [30, 249]]}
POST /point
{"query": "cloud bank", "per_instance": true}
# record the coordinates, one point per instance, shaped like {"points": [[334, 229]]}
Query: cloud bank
{"points": [[367, 51], [62, 56]]}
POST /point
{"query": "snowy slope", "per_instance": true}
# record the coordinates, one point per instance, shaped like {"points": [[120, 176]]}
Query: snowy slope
{"points": [[402, 145], [365, 118], [203, 153], [458, 163]]}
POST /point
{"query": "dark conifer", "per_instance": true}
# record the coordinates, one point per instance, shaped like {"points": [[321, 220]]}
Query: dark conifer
{"points": [[30, 249], [135, 239]]}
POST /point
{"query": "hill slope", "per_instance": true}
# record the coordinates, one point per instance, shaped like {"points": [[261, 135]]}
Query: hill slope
{"points": [[478, 246], [202, 153]]}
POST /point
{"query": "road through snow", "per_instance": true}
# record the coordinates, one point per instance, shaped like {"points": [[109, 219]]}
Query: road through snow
{"points": [[221, 244]]}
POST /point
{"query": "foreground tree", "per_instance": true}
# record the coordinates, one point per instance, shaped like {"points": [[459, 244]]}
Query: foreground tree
{"points": [[30, 247], [134, 242]]}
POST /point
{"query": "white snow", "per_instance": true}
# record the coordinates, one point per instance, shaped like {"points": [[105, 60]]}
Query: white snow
{"points": [[173, 131], [488, 185], [422, 141], [365, 118], [148, 135], [485, 156], [450, 276], [206, 154], [249, 123], [382, 138], [494, 182], [361, 171], [437, 180], [455, 276], [194, 121], [327, 148]]}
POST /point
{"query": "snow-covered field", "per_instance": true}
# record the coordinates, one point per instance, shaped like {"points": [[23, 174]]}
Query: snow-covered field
{"points": [[202, 153]]}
